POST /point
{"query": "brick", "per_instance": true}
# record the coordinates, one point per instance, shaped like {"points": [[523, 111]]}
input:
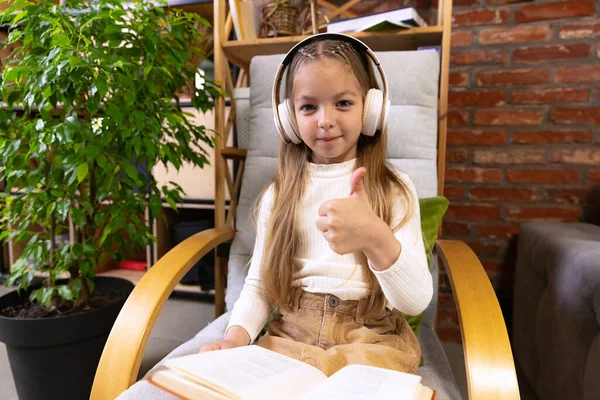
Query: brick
{"points": [[509, 157], [461, 39], [513, 77], [578, 74], [483, 250], [448, 317], [458, 79], [372, 6], [493, 266], [577, 156], [479, 17], [506, 1], [548, 137], [449, 334], [476, 137], [503, 194], [456, 156], [590, 115], [455, 228], [569, 196], [476, 99], [562, 214], [556, 10], [497, 231], [458, 118], [598, 49], [477, 57], [580, 31], [543, 176], [514, 35], [479, 175], [593, 176], [509, 117], [550, 53], [453, 192], [473, 211], [464, 3], [558, 95]]}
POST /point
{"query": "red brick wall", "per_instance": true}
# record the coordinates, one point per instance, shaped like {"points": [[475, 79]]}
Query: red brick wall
{"points": [[523, 136]]}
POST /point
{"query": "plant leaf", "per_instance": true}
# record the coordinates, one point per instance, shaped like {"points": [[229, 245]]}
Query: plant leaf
{"points": [[82, 172]]}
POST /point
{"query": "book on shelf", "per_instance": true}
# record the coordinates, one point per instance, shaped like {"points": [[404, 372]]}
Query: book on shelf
{"points": [[246, 18], [234, 9], [404, 18], [253, 372], [250, 17]]}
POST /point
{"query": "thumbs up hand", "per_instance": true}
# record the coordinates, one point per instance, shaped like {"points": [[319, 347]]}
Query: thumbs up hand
{"points": [[348, 222], [357, 188]]}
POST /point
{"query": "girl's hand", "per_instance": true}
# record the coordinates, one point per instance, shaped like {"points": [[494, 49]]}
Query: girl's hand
{"points": [[221, 345], [236, 336], [349, 224]]}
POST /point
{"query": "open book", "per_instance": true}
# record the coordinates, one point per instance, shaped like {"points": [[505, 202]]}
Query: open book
{"points": [[253, 372]]}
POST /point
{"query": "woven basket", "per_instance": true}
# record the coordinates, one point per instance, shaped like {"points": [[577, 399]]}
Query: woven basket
{"points": [[279, 20]]}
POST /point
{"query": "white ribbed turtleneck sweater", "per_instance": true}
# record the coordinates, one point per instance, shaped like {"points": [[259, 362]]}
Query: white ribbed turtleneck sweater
{"points": [[406, 284]]}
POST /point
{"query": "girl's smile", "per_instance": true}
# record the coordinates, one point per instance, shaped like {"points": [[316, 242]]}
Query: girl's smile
{"points": [[329, 140]]}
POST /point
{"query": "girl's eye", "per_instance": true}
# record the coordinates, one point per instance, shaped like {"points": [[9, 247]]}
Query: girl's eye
{"points": [[307, 107], [344, 103]]}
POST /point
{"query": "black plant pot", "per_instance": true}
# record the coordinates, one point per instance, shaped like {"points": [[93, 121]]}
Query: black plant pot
{"points": [[56, 358]]}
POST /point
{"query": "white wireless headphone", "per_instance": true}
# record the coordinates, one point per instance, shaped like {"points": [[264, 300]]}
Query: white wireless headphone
{"points": [[375, 109]]}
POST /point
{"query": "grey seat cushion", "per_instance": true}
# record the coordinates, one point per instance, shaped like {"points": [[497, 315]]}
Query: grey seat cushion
{"points": [[436, 372]]}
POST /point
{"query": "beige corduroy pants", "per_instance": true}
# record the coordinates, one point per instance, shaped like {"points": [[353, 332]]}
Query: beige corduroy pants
{"points": [[329, 333]]}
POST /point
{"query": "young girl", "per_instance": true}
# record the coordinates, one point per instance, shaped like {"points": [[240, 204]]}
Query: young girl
{"points": [[339, 249]]}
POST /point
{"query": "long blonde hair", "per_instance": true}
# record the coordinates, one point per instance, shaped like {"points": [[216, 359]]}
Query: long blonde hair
{"points": [[381, 183]]}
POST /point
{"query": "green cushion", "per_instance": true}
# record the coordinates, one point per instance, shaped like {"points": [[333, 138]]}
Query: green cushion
{"points": [[432, 212]]}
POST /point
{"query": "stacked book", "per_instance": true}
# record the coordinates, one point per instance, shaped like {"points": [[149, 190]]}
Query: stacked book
{"points": [[402, 18]]}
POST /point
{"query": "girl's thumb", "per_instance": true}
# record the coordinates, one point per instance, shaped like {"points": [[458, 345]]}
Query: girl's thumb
{"points": [[356, 182]]}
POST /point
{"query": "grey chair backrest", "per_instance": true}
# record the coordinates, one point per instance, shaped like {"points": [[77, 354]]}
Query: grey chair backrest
{"points": [[412, 144]]}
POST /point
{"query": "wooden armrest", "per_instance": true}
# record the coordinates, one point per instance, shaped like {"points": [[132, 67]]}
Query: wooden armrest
{"points": [[122, 355], [489, 360]]}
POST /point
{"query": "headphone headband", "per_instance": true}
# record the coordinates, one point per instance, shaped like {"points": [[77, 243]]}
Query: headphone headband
{"points": [[315, 38]]}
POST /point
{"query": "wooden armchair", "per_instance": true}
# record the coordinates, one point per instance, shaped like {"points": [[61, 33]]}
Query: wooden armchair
{"points": [[413, 147]]}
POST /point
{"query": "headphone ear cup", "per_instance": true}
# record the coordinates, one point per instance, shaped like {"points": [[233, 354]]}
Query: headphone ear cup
{"points": [[386, 115], [372, 112], [288, 122]]}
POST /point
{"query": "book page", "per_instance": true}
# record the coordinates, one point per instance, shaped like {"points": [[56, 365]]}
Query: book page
{"points": [[360, 382], [180, 386], [384, 26], [249, 372]]}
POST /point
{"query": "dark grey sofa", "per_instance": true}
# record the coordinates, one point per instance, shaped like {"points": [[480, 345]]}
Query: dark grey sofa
{"points": [[556, 313]]}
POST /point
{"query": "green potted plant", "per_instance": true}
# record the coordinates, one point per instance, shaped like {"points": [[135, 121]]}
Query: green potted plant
{"points": [[88, 107]]}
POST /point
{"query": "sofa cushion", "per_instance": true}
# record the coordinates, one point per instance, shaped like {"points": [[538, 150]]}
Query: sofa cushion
{"points": [[556, 311]]}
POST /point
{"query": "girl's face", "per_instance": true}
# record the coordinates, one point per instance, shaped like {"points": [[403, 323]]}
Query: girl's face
{"points": [[328, 104]]}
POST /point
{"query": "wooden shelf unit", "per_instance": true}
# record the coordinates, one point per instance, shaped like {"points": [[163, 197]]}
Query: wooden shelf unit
{"points": [[241, 52]]}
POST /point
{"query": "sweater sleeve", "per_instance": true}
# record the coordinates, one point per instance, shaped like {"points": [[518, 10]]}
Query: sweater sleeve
{"points": [[253, 307], [407, 283]]}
